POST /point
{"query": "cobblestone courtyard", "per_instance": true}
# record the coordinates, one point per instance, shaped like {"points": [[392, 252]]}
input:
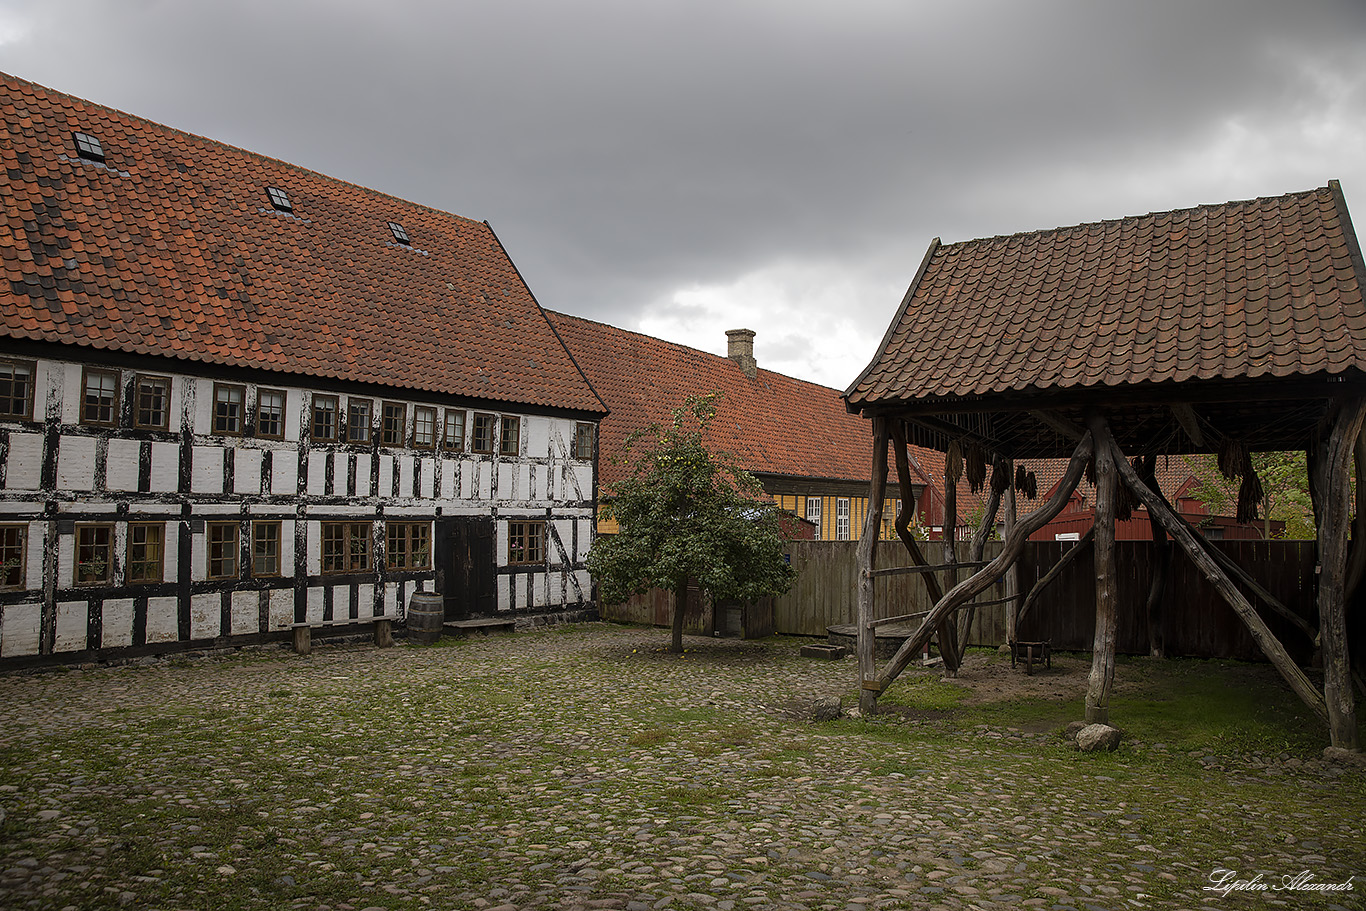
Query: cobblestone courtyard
{"points": [[584, 768]]}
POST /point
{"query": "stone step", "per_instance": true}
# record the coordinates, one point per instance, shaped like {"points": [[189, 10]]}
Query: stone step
{"points": [[828, 652]]}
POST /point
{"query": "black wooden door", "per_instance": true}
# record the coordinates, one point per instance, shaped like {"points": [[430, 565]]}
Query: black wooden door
{"points": [[465, 570]]}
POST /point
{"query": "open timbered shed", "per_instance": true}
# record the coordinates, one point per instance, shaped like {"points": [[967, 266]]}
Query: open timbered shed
{"points": [[1229, 328]]}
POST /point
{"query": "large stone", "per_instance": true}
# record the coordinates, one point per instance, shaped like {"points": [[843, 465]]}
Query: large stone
{"points": [[1073, 729], [1345, 757], [1095, 737]]}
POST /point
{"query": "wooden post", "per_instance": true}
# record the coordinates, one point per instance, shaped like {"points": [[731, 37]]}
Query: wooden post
{"points": [[1157, 640], [907, 510], [979, 546], [1330, 480], [982, 580], [903, 530], [948, 631], [867, 556], [1356, 566], [1107, 588], [1012, 574], [1185, 539]]}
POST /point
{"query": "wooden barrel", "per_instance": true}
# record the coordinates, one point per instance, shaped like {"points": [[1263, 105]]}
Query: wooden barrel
{"points": [[426, 612]]}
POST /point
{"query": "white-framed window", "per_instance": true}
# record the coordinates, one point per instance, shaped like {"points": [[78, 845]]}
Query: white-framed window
{"points": [[101, 402], [270, 414], [424, 427], [842, 519], [813, 514]]}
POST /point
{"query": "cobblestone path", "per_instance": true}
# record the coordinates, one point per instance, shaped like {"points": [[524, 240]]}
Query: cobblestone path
{"points": [[585, 768]]}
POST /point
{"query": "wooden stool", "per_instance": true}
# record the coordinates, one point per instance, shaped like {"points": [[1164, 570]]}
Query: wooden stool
{"points": [[1029, 652]]}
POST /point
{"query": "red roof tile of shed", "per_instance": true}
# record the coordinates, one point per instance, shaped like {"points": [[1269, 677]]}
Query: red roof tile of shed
{"points": [[171, 247], [773, 424], [1262, 288]]}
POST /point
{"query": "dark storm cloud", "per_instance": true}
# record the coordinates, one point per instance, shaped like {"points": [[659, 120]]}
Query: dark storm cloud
{"points": [[627, 152]]}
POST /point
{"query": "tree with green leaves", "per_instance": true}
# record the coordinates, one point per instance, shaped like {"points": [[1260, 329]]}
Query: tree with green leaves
{"points": [[1285, 491], [685, 512]]}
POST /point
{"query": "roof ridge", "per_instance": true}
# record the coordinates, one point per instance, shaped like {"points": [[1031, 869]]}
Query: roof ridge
{"points": [[690, 348], [1040, 232], [144, 121]]}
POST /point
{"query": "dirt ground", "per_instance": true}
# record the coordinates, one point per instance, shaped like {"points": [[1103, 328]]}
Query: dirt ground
{"points": [[992, 679]]}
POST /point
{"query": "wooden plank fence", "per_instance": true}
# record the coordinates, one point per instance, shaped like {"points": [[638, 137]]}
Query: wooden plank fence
{"points": [[1196, 621]]}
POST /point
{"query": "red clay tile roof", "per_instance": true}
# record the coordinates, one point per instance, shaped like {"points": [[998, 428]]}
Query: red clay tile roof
{"points": [[1263, 288], [171, 247], [773, 424]]}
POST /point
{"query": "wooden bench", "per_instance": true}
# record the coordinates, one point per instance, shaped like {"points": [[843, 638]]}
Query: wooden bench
{"points": [[1029, 652], [303, 632], [484, 625]]}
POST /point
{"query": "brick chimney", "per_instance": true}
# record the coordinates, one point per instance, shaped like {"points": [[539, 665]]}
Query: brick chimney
{"points": [[740, 348]]}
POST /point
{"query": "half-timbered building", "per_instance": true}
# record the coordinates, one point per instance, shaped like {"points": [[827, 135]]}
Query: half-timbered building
{"points": [[237, 395]]}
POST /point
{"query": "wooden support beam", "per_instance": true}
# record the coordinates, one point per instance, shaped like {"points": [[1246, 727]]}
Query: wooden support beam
{"points": [[1229, 566], [1107, 585], [951, 431], [979, 544], [948, 630], [1331, 481], [980, 581], [1052, 575], [888, 621], [1157, 639], [1185, 416], [1059, 423], [913, 570], [867, 556], [907, 510], [1186, 539], [1012, 574], [903, 520], [1356, 559]]}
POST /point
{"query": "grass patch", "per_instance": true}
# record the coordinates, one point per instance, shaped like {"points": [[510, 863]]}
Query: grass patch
{"points": [[650, 738], [925, 692]]}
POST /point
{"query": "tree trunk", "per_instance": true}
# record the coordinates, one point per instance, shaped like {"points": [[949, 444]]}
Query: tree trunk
{"points": [[867, 557], [1331, 482], [680, 609], [1107, 588]]}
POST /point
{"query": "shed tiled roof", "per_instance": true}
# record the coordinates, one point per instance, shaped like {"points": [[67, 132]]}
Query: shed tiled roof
{"points": [[773, 424], [1257, 289], [171, 247]]}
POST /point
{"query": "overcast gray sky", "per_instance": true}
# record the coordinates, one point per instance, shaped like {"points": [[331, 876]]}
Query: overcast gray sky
{"points": [[683, 168]]}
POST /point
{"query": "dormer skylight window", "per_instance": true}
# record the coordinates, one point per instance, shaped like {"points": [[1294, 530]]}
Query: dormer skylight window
{"points": [[88, 147], [279, 199], [400, 235]]}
